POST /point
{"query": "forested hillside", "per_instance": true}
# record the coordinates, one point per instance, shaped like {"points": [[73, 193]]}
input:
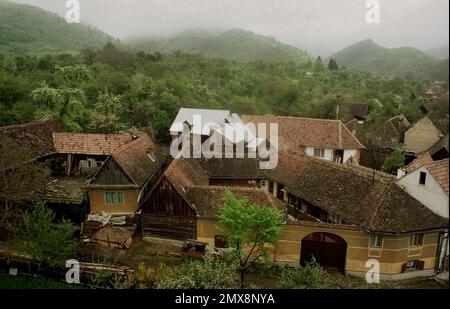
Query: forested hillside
{"points": [[405, 62], [236, 45], [440, 52], [29, 29], [110, 89]]}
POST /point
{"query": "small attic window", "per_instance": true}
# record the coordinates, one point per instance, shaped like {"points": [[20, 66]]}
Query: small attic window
{"points": [[423, 178]]}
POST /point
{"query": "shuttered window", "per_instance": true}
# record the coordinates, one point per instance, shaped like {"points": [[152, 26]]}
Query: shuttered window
{"points": [[114, 198], [415, 240]]}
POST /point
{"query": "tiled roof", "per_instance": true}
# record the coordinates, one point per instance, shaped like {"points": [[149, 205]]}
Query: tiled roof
{"points": [[439, 170], [92, 144], [358, 110], [295, 133], [419, 162], [190, 177], [140, 159], [208, 200], [63, 190], [368, 200], [439, 145], [440, 120], [362, 197], [35, 137]]}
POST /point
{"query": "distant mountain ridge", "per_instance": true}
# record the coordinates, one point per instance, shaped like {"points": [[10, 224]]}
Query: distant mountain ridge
{"points": [[29, 29], [238, 45], [405, 62], [440, 52]]}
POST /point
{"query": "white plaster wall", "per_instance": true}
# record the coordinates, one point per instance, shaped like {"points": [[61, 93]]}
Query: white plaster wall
{"points": [[431, 194], [328, 153], [350, 153]]}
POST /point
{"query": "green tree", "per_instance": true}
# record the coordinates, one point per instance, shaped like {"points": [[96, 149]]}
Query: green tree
{"points": [[318, 65], [250, 228], [310, 276], [105, 117], [48, 242], [209, 273], [66, 104], [332, 65], [393, 162]]}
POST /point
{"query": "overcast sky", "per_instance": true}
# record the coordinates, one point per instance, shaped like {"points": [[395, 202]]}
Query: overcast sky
{"points": [[321, 26]]}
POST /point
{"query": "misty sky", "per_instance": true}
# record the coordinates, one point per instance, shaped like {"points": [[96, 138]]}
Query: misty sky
{"points": [[319, 26]]}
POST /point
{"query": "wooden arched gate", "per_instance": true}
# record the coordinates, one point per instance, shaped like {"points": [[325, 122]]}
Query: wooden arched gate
{"points": [[329, 250]]}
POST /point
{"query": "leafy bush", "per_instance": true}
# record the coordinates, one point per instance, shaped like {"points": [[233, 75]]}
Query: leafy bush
{"points": [[48, 242], [310, 276], [201, 274], [393, 162]]}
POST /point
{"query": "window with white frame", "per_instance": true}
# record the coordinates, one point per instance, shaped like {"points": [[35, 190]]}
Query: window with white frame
{"points": [[411, 265], [319, 153], [415, 240], [376, 241], [115, 198]]}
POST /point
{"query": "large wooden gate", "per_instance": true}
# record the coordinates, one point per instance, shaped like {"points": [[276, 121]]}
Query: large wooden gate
{"points": [[329, 250]]}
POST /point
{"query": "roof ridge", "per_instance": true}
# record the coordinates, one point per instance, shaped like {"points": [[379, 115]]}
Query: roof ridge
{"points": [[352, 169], [379, 204], [89, 133], [21, 125], [345, 128], [294, 117], [138, 140]]}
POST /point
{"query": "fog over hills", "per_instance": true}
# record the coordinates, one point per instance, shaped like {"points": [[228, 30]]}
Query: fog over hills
{"points": [[319, 27]]}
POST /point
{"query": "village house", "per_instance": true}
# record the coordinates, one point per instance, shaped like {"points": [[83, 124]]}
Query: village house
{"points": [[126, 177], [63, 194], [73, 158], [427, 181], [321, 138], [426, 132], [343, 215]]}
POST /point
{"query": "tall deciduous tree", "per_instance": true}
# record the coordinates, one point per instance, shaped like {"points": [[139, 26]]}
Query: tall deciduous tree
{"points": [[250, 229]]}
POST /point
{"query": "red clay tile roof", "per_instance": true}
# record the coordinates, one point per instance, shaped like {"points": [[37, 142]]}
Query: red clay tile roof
{"points": [[439, 170], [361, 196], [371, 201], [295, 133], [208, 200], [419, 162], [92, 144], [140, 159], [35, 137], [190, 177]]}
